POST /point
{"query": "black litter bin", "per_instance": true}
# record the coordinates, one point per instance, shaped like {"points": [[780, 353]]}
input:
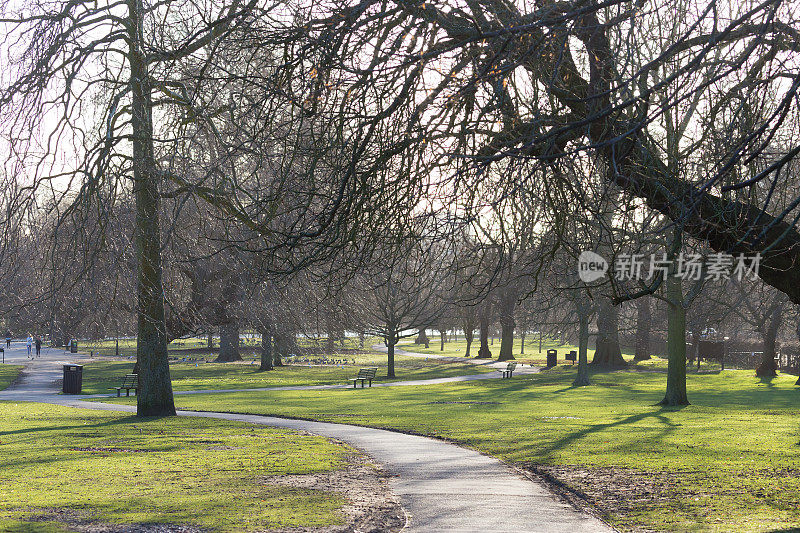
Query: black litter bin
{"points": [[552, 358], [73, 347], [73, 379]]}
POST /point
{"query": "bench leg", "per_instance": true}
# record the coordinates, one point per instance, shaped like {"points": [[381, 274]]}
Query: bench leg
{"points": [[119, 393], [362, 383], [127, 392], [354, 383], [370, 383]]}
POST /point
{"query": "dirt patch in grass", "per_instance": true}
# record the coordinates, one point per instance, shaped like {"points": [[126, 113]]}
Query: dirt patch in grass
{"points": [[372, 507], [107, 450], [606, 492], [463, 403], [83, 523]]}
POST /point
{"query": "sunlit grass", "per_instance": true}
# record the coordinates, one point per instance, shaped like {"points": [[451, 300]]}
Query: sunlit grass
{"points": [[198, 346], [100, 376], [8, 373], [531, 355], [124, 470], [733, 454]]}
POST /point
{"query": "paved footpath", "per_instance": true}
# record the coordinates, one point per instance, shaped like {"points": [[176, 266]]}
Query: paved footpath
{"points": [[441, 486]]}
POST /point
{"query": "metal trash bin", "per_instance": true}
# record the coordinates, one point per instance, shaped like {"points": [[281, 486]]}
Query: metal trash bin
{"points": [[73, 379], [73, 347], [552, 358]]}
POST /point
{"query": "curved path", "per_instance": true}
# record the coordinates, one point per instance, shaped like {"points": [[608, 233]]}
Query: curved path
{"points": [[441, 486]]}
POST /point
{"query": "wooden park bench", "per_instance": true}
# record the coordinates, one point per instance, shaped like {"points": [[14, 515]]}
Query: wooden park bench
{"points": [[509, 369], [130, 381], [364, 374], [571, 356]]}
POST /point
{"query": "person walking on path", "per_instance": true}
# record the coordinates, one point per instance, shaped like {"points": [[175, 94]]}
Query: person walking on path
{"points": [[8, 338], [38, 345], [29, 343]]}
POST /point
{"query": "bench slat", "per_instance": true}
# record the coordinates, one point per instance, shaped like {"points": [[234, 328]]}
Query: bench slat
{"points": [[130, 381], [364, 374]]}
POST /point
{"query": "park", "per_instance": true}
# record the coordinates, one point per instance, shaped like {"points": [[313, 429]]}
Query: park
{"points": [[399, 265]]}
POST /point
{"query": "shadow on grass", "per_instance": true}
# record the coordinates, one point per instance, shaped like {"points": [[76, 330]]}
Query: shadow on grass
{"points": [[106, 424], [768, 381], [565, 441]]}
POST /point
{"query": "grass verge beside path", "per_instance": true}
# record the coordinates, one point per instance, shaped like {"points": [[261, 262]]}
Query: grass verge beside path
{"points": [[533, 357], [63, 467], [199, 346], [99, 376], [728, 462], [8, 373]]}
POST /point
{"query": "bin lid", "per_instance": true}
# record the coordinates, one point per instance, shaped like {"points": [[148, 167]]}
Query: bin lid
{"points": [[73, 367]]}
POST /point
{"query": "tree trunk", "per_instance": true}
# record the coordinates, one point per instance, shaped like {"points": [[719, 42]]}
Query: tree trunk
{"points": [[522, 342], [773, 324], [266, 350], [292, 348], [797, 359], [361, 335], [643, 318], [507, 341], [210, 340], [694, 353], [676, 344], [154, 397], [422, 338], [391, 341], [607, 352], [443, 333], [330, 331], [278, 347], [484, 352], [329, 347], [229, 343], [469, 334], [507, 304], [582, 379]]}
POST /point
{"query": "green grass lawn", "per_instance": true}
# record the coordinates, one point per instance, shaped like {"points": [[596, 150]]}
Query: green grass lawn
{"points": [[728, 462], [199, 346], [99, 376], [8, 373], [127, 347], [458, 348], [532, 355], [118, 469]]}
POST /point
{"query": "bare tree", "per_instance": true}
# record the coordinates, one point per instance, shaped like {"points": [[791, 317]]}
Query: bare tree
{"points": [[401, 294]]}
